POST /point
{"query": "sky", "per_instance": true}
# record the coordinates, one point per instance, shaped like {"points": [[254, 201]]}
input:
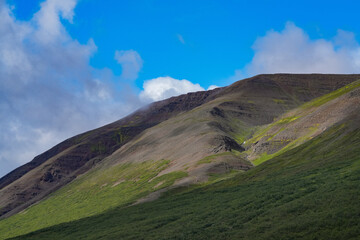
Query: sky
{"points": [[68, 66]]}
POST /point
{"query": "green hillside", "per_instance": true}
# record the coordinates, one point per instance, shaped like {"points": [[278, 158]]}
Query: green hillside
{"points": [[310, 192], [92, 194], [304, 185]]}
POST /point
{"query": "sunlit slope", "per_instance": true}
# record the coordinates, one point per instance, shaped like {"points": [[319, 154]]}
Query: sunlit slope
{"points": [[92, 194], [309, 192], [303, 123]]}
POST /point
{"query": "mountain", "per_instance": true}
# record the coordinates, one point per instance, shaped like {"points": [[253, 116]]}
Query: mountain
{"points": [[64, 162], [188, 148]]}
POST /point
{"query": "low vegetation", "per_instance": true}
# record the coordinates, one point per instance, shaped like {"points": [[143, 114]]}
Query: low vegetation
{"points": [[330, 96], [309, 192], [92, 194]]}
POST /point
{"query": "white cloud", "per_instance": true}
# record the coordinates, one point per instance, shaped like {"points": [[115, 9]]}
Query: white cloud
{"points": [[164, 87], [211, 87], [292, 51], [131, 63], [48, 91]]}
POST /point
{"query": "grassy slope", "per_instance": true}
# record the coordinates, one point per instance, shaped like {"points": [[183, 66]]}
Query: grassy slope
{"points": [[283, 122], [309, 192], [92, 194]]}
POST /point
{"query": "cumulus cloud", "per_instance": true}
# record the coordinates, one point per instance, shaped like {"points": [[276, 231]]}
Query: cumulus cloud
{"points": [[131, 63], [292, 51], [48, 90], [164, 87]]}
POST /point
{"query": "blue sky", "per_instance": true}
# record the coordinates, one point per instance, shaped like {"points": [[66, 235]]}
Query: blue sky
{"points": [[218, 35], [68, 66]]}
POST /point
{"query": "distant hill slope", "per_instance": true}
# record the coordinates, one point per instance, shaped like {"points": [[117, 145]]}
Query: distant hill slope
{"points": [[194, 138]]}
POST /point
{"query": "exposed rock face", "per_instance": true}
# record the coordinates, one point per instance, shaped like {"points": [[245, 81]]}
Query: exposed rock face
{"points": [[225, 144], [254, 101]]}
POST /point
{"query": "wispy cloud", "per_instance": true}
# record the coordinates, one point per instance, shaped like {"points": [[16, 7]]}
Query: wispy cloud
{"points": [[49, 26], [131, 63], [180, 38]]}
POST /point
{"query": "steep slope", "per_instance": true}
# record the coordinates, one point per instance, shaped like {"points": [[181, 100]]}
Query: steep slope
{"points": [[192, 145], [304, 123], [61, 164], [143, 118], [309, 192], [222, 125]]}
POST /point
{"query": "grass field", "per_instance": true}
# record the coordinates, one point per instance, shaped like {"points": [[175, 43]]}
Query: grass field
{"points": [[309, 192]]}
